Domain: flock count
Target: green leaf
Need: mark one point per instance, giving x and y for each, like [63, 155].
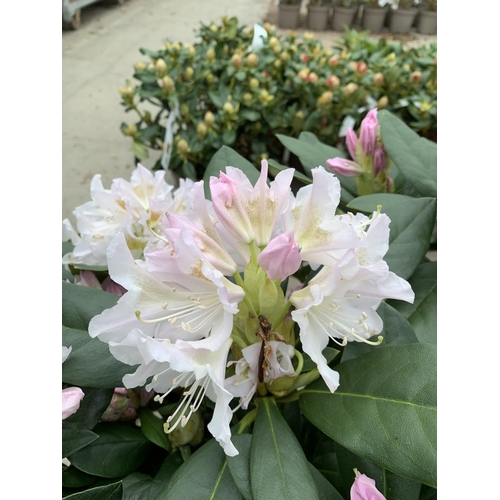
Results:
[111, 491]
[140, 151]
[137, 486]
[79, 305]
[152, 428]
[249, 114]
[384, 410]
[76, 439]
[120, 449]
[410, 153]
[205, 475]
[412, 223]
[397, 331]
[312, 153]
[422, 314]
[325, 488]
[228, 137]
[92, 406]
[328, 352]
[227, 157]
[74, 478]
[392, 486]
[161, 481]
[278, 466]
[275, 168]
[239, 466]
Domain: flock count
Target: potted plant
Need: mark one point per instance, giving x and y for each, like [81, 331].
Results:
[403, 16]
[289, 14]
[373, 16]
[317, 15]
[427, 23]
[344, 13]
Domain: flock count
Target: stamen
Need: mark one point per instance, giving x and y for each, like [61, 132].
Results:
[159, 236]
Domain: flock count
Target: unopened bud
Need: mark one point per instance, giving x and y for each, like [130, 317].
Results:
[325, 98]
[254, 83]
[303, 73]
[191, 51]
[131, 130]
[228, 108]
[210, 55]
[189, 72]
[312, 77]
[252, 60]
[161, 67]
[237, 61]
[184, 109]
[277, 63]
[182, 146]
[416, 77]
[277, 49]
[285, 56]
[378, 79]
[333, 82]
[304, 58]
[210, 78]
[361, 67]
[333, 61]
[213, 28]
[350, 88]
[308, 36]
[140, 66]
[168, 84]
[126, 91]
[201, 130]
[273, 41]
[209, 118]
[247, 97]
[383, 102]
[299, 115]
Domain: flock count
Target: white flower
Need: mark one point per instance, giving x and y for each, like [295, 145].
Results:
[66, 352]
[340, 303]
[244, 383]
[127, 207]
[71, 397]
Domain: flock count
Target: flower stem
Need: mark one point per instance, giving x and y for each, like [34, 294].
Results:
[247, 301]
[300, 363]
[246, 421]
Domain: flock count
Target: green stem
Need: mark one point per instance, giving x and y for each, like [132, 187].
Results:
[246, 421]
[239, 341]
[247, 301]
[300, 364]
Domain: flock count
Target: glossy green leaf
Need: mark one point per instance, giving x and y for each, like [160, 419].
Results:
[326, 490]
[79, 305]
[120, 449]
[313, 153]
[161, 481]
[76, 439]
[152, 428]
[275, 168]
[205, 475]
[137, 486]
[422, 314]
[396, 331]
[411, 154]
[384, 410]
[412, 223]
[392, 486]
[278, 466]
[239, 466]
[227, 157]
[74, 478]
[107, 492]
[139, 150]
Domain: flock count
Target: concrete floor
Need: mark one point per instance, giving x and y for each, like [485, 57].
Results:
[99, 57]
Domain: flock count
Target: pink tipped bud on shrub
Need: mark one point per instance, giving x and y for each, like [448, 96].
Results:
[333, 82]
[350, 88]
[344, 167]
[161, 67]
[71, 397]
[379, 160]
[416, 77]
[281, 257]
[364, 488]
[351, 141]
[303, 73]
[368, 134]
[333, 61]
[304, 58]
[378, 79]
[252, 60]
[361, 67]
[209, 119]
[312, 78]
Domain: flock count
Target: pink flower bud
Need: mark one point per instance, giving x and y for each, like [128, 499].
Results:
[364, 488]
[344, 167]
[379, 160]
[87, 278]
[71, 398]
[110, 286]
[368, 134]
[351, 141]
[281, 257]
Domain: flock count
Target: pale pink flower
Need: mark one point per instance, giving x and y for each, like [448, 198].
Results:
[368, 134]
[364, 488]
[71, 397]
[351, 140]
[344, 167]
[281, 257]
